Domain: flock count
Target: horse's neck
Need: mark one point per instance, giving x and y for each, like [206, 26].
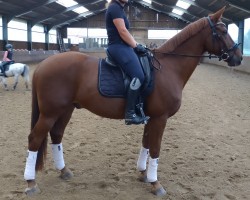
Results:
[182, 64]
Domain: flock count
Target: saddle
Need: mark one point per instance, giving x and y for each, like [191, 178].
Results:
[113, 81]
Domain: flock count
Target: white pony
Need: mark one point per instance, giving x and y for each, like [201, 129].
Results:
[16, 70]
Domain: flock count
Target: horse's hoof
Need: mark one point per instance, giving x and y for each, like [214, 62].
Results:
[30, 191]
[66, 174]
[143, 177]
[159, 192]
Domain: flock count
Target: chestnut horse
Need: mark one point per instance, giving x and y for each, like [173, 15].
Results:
[68, 80]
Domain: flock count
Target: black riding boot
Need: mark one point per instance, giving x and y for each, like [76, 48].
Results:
[1, 69]
[133, 93]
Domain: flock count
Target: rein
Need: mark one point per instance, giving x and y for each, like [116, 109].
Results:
[185, 55]
[224, 52]
[153, 52]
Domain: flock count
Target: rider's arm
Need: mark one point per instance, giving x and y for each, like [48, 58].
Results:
[5, 56]
[124, 33]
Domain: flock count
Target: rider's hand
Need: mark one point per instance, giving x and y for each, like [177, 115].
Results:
[140, 49]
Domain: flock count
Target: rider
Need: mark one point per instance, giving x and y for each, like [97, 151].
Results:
[7, 58]
[123, 49]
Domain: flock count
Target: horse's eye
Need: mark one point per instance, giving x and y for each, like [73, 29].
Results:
[224, 32]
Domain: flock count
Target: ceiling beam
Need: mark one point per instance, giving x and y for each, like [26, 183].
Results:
[26, 10]
[39, 20]
[63, 22]
[193, 3]
[92, 2]
[29, 9]
[240, 8]
[171, 14]
[176, 7]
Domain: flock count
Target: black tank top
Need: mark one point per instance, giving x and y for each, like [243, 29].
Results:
[10, 54]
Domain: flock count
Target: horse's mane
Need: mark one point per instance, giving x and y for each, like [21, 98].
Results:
[182, 36]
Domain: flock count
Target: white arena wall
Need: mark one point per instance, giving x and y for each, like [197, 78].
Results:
[244, 67]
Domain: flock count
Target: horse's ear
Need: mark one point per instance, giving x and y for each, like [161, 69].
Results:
[217, 16]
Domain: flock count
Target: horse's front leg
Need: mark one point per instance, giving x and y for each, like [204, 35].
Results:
[150, 151]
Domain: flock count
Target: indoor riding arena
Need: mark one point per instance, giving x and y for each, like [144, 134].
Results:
[205, 151]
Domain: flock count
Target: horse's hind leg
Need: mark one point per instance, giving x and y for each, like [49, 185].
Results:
[37, 139]
[16, 82]
[27, 81]
[3, 80]
[56, 135]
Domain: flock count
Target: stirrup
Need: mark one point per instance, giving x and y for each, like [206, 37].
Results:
[132, 118]
[140, 107]
[143, 121]
[135, 120]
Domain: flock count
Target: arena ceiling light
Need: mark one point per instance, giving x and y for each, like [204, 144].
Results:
[177, 11]
[67, 3]
[81, 10]
[183, 4]
[148, 1]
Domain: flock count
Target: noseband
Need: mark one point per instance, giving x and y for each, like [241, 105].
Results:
[224, 51]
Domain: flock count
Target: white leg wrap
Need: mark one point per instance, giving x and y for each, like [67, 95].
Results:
[152, 169]
[57, 151]
[30, 168]
[142, 160]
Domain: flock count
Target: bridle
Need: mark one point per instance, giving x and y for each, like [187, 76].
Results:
[224, 51]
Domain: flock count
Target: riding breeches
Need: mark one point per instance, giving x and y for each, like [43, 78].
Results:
[127, 59]
[4, 65]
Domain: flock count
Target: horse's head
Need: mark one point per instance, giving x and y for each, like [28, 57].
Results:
[220, 43]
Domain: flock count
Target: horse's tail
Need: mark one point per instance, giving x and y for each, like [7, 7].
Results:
[26, 72]
[42, 151]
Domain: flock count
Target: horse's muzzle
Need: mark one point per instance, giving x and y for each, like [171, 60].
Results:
[234, 61]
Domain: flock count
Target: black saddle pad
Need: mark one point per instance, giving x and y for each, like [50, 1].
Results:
[111, 80]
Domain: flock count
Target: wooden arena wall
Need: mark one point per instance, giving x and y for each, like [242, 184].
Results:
[244, 67]
[25, 56]
[141, 20]
[24, 45]
[38, 53]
